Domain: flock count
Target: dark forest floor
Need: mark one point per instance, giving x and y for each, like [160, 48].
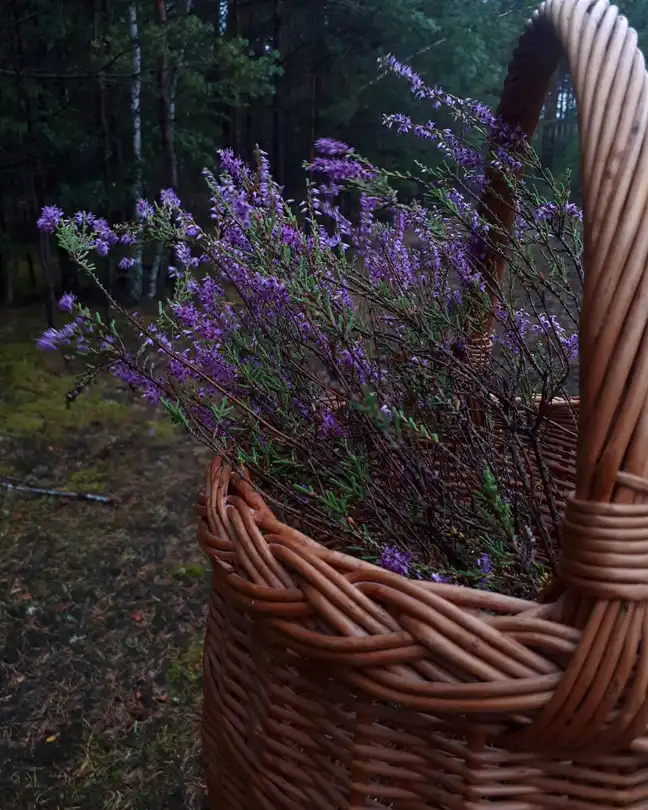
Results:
[101, 607]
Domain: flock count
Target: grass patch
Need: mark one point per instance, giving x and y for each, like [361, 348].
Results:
[184, 674]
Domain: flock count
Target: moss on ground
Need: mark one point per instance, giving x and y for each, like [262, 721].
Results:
[162, 430]
[33, 400]
[88, 479]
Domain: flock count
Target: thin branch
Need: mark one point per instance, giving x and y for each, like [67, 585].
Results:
[58, 493]
[38, 75]
[429, 47]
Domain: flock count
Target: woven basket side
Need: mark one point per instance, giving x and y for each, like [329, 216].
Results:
[333, 683]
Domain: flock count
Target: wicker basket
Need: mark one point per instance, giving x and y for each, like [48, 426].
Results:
[335, 685]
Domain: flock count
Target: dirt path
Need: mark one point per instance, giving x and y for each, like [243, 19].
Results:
[101, 607]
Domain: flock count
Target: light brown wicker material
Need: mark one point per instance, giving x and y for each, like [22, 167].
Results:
[334, 685]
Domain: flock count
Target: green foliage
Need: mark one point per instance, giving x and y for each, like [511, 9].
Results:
[61, 62]
[493, 507]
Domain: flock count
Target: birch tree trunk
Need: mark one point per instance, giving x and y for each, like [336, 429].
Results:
[168, 88]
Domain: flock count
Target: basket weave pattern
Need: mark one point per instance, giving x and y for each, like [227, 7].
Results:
[333, 684]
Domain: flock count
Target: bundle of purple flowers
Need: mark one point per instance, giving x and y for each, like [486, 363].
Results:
[330, 354]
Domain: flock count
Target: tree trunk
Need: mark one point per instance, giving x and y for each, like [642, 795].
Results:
[102, 116]
[45, 257]
[173, 91]
[34, 178]
[29, 258]
[100, 23]
[155, 271]
[67, 271]
[165, 103]
[234, 129]
[135, 273]
[278, 153]
[551, 115]
[314, 110]
[120, 207]
[6, 282]
[168, 88]
[6, 275]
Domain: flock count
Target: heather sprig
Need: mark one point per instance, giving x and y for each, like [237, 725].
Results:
[334, 356]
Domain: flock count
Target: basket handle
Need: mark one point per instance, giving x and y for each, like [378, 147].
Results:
[604, 63]
[603, 583]
[611, 89]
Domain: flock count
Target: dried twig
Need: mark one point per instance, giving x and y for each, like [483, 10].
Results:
[58, 493]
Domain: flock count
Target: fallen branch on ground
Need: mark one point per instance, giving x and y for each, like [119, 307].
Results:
[58, 493]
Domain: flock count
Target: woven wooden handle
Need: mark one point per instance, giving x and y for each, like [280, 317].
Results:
[606, 534]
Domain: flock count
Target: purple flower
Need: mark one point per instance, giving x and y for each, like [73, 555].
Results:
[572, 210]
[102, 247]
[66, 302]
[514, 330]
[301, 408]
[485, 564]
[104, 232]
[183, 253]
[330, 425]
[482, 113]
[545, 212]
[188, 224]
[49, 340]
[570, 345]
[170, 198]
[461, 109]
[83, 218]
[549, 327]
[144, 209]
[281, 311]
[402, 123]
[50, 217]
[331, 147]
[357, 363]
[53, 339]
[290, 236]
[549, 211]
[148, 388]
[341, 169]
[232, 165]
[393, 559]
[466, 211]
